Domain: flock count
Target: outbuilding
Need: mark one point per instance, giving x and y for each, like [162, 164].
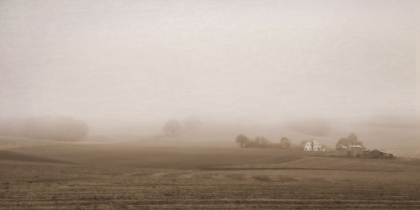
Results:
[342, 150]
[376, 154]
[356, 150]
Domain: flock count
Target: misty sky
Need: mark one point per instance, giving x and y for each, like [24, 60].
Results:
[227, 60]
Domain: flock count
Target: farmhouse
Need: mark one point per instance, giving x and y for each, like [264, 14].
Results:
[312, 145]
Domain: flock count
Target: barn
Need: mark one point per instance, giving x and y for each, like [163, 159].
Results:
[352, 150]
[376, 154]
[356, 150]
[342, 150]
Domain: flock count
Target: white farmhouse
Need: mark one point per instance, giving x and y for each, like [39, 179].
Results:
[312, 145]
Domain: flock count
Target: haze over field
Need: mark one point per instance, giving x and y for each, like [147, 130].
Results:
[237, 61]
[210, 104]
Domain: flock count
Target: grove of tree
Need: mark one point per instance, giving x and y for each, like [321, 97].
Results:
[258, 142]
[51, 128]
[350, 140]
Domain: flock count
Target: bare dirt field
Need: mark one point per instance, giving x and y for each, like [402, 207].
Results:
[123, 176]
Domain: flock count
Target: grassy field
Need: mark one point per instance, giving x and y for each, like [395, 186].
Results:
[134, 176]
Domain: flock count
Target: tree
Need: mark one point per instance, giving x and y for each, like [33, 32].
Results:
[285, 143]
[352, 137]
[242, 140]
[350, 140]
[261, 141]
[172, 127]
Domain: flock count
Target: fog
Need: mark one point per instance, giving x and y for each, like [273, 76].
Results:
[183, 104]
[265, 62]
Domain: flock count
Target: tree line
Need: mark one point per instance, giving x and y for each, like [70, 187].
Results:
[52, 128]
[261, 142]
[173, 127]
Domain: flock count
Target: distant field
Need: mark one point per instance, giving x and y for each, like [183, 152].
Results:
[405, 153]
[17, 142]
[132, 176]
[335, 164]
[13, 156]
[163, 157]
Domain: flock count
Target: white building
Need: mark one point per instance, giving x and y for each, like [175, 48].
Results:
[312, 145]
[342, 150]
[356, 150]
